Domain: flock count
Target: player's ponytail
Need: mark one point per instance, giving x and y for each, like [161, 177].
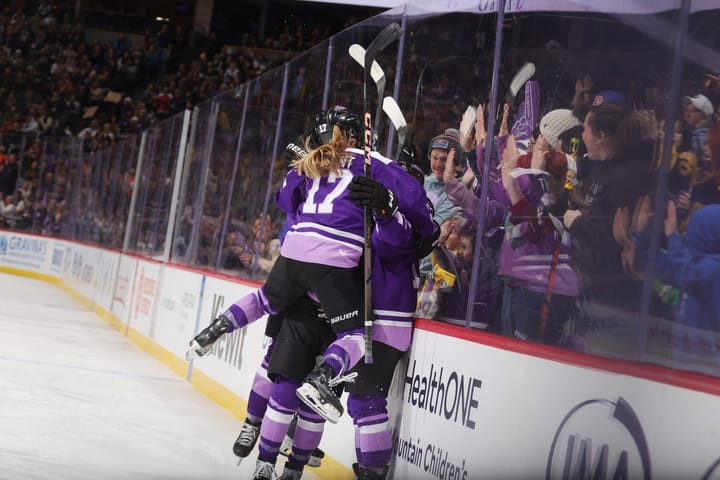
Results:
[325, 159]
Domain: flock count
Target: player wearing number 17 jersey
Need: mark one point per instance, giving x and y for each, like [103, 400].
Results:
[320, 254]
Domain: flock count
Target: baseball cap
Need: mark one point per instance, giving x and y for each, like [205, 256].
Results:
[608, 97]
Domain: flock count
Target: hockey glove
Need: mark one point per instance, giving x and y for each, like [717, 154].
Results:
[293, 152]
[425, 245]
[365, 192]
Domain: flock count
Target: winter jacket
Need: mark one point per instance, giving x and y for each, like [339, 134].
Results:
[693, 265]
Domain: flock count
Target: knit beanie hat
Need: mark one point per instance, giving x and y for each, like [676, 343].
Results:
[447, 140]
[554, 123]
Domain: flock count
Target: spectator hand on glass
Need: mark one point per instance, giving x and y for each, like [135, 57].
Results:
[504, 122]
[671, 223]
[449, 171]
[621, 233]
[509, 161]
[642, 214]
[583, 86]
[621, 226]
[480, 133]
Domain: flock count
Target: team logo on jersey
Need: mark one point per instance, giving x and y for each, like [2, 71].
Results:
[599, 439]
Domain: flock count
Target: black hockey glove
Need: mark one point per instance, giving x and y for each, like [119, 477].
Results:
[365, 192]
[425, 245]
[294, 151]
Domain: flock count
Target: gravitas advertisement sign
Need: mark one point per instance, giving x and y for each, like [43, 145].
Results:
[470, 409]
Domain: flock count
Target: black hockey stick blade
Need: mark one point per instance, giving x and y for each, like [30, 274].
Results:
[387, 36]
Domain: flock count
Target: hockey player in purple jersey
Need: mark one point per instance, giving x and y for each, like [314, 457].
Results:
[262, 385]
[395, 252]
[321, 252]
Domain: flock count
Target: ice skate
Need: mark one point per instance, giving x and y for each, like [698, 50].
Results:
[247, 439]
[286, 446]
[203, 341]
[317, 393]
[264, 471]
[290, 473]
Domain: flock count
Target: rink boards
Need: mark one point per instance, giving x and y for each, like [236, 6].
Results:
[464, 405]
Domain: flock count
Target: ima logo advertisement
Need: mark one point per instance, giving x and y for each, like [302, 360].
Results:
[602, 439]
[3, 244]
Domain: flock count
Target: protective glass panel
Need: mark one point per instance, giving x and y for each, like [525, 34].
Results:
[249, 232]
[575, 145]
[447, 69]
[155, 184]
[677, 240]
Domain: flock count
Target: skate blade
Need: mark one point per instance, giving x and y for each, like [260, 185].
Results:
[313, 461]
[316, 457]
[309, 397]
[195, 350]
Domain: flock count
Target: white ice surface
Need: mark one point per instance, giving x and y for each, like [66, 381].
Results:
[78, 400]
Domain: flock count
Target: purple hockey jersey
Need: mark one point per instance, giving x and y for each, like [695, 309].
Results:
[329, 227]
[394, 282]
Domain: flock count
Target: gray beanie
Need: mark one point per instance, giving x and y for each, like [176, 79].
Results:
[555, 123]
[447, 140]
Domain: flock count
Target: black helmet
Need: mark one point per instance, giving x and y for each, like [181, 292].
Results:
[322, 130]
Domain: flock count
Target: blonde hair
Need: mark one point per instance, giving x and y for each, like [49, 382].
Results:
[325, 159]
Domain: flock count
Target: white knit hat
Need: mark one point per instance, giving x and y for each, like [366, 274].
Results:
[555, 123]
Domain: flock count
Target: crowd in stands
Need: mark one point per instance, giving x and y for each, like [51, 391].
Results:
[57, 88]
[55, 82]
[567, 216]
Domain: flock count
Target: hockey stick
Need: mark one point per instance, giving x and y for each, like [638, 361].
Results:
[388, 35]
[524, 73]
[357, 52]
[393, 112]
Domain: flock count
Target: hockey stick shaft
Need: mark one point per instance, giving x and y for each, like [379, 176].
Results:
[388, 35]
